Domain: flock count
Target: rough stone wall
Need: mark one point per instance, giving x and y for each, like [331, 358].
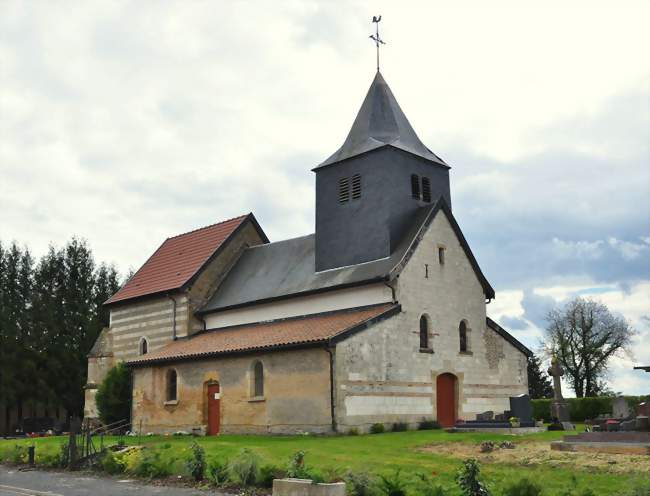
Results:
[383, 376]
[296, 394]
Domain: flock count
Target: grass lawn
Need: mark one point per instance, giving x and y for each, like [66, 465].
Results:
[433, 452]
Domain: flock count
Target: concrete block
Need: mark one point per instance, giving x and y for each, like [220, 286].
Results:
[306, 487]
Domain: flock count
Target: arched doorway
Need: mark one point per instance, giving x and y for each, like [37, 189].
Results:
[214, 405]
[446, 399]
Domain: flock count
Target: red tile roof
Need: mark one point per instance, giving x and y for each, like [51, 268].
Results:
[177, 260]
[267, 335]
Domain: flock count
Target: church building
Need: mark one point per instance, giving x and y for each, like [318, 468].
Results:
[377, 317]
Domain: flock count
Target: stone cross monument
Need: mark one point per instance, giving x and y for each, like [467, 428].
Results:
[559, 407]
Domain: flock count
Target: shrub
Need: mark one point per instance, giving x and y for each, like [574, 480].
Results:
[114, 395]
[507, 445]
[377, 428]
[523, 487]
[110, 464]
[353, 431]
[268, 473]
[245, 468]
[426, 425]
[393, 486]
[196, 463]
[296, 468]
[468, 479]
[150, 465]
[218, 472]
[358, 483]
[400, 427]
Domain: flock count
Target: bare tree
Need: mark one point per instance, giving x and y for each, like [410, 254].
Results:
[585, 335]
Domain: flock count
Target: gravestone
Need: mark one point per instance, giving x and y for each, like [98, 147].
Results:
[620, 408]
[521, 407]
[489, 415]
[559, 406]
[643, 409]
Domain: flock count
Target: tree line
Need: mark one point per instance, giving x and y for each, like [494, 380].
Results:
[50, 315]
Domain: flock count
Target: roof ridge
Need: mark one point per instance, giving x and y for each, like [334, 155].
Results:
[280, 241]
[208, 226]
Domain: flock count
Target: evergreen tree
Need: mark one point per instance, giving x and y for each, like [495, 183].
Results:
[539, 382]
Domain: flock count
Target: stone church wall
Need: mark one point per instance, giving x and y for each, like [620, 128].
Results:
[296, 394]
[383, 376]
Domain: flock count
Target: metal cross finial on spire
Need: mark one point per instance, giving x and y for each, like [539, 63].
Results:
[375, 37]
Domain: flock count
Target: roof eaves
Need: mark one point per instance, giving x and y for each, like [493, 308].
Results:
[327, 163]
[508, 337]
[361, 326]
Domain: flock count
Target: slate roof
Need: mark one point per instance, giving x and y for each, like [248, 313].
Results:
[179, 259]
[309, 330]
[286, 268]
[381, 122]
[508, 337]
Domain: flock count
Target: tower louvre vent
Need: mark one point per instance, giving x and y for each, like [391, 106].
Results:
[426, 190]
[344, 190]
[356, 186]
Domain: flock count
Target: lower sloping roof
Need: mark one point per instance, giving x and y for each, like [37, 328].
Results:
[508, 337]
[285, 333]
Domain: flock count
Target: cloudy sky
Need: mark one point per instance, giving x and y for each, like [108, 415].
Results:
[127, 122]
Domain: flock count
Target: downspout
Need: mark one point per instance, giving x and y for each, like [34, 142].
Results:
[329, 352]
[174, 317]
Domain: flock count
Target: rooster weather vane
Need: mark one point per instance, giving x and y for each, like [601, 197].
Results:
[375, 37]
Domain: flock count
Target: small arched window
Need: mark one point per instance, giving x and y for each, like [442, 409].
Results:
[172, 385]
[424, 332]
[144, 346]
[415, 186]
[426, 190]
[258, 380]
[462, 334]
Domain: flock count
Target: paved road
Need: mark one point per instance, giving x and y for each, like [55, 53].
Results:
[36, 483]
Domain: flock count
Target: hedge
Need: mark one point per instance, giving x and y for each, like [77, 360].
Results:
[581, 409]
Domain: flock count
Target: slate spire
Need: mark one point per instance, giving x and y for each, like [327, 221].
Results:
[381, 122]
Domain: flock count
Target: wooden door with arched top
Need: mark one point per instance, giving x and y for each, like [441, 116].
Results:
[214, 404]
[446, 399]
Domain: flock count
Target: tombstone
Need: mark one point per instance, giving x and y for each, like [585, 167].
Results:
[521, 407]
[643, 409]
[489, 415]
[559, 407]
[620, 408]
[642, 423]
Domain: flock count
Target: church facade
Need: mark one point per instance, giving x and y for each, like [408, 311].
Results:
[377, 317]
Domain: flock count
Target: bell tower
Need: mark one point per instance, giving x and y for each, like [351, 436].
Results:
[370, 188]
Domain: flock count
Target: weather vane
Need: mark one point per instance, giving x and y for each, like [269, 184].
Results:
[375, 37]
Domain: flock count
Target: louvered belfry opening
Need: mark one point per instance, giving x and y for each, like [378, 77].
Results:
[356, 186]
[344, 190]
[415, 186]
[426, 190]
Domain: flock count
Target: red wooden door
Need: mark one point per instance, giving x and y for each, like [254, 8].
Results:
[446, 399]
[214, 399]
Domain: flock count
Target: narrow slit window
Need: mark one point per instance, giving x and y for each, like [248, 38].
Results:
[172, 385]
[258, 380]
[356, 186]
[424, 332]
[144, 347]
[415, 186]
[462, 331]
[441, 255]
[426, 190]
[344, 190]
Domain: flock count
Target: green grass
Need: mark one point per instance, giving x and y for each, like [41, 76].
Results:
[377, 454]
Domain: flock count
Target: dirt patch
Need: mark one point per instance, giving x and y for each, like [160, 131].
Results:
[539, 453]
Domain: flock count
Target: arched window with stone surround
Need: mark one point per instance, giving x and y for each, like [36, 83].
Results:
[144, 346]
[424, 332]
[462, 335]
[172, 385]
[257, 379]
